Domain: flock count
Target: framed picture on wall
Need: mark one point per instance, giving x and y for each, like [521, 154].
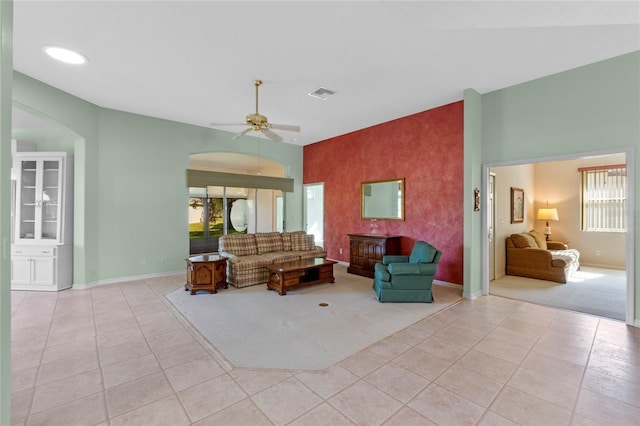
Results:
[517, 205]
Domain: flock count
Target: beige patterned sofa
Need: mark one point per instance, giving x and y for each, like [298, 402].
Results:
[529, 255]
[248, 254]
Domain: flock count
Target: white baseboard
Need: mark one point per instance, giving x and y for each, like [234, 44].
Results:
[472, 295]
[599, 265]
[85, 286]
[447, 284]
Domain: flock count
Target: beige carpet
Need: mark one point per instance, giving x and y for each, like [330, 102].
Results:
[595, 291]
[256, 328]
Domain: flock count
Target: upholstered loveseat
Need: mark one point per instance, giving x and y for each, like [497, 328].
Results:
[248, 254]
[529, 255]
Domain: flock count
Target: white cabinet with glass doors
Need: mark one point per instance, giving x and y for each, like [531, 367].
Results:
[44, 198]
[43, 218]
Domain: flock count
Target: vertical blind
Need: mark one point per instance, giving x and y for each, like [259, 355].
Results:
[604, 198]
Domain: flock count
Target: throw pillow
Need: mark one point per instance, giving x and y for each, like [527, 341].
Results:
[300, 242]
[240, 244]
[268, 242]
[523, 241]
[539, 239]
[286, 239]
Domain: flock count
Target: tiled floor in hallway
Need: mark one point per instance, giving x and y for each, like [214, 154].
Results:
[118, 354]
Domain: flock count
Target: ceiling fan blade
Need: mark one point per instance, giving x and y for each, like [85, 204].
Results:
[272, 135]
[288, 127]
[241, 134]
[228, 124]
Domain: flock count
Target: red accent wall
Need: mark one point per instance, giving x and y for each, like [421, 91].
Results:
[426, 149]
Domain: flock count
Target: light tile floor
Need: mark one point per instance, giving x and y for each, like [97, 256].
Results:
[118, 355]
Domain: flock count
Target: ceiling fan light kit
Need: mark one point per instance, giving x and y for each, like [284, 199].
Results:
[259, 123]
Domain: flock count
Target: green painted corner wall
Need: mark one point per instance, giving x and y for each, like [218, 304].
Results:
[130, 215]
[589, 109]
[473, 225]
[6, 74]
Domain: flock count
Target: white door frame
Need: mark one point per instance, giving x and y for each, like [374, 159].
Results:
[318, 230]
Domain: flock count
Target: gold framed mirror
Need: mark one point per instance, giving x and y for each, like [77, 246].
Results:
[383, 199]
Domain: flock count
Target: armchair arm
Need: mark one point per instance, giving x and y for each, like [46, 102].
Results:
[412, 268]
[394, 259]
[529, 257]
[557, 245]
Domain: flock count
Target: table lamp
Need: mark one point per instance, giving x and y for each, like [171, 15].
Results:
[547, 214]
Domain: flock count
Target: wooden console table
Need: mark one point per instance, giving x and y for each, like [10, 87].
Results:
[206, 272]
[290, 275]
[365, 250]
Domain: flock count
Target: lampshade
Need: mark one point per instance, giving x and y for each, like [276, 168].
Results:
[548, 214]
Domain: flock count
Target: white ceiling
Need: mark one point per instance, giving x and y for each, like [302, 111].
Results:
[194, 61]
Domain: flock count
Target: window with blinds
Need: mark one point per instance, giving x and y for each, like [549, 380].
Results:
[604, 198]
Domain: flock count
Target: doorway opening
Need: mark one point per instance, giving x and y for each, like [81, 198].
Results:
[314, 211]
[556, 181]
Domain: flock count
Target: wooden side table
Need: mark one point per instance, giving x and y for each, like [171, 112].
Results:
[206, 272]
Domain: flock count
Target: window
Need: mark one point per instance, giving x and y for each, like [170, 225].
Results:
[604, 198]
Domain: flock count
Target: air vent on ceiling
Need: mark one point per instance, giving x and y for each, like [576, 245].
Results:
[322, 93]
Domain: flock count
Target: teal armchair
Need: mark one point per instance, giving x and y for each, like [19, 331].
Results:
[407, 278]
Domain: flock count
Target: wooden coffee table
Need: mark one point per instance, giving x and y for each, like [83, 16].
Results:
[300, 273]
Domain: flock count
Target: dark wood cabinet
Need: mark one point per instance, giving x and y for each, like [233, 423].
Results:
[365, 250]
[207, 272]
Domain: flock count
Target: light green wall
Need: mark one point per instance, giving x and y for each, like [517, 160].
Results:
[6, 70]
[53, 139]
[130, 187]
[80, 121]
[472, 256]
[589, 109]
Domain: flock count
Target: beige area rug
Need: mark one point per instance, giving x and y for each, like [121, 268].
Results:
[256, 328]
[595, 291]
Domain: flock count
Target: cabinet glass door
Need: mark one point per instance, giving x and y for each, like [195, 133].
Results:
[28, 201]
[39, 195]
[49, 200]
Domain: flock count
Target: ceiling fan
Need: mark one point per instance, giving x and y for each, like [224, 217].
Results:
[259, 123]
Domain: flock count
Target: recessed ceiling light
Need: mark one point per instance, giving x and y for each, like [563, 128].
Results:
[65, 55]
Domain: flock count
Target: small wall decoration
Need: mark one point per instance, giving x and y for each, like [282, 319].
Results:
[476, 200]
[517, 205]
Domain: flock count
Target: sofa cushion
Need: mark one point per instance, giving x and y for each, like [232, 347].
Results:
[283, 256]
[310, 254]
[286, 239]
[540, 240]
[268, 242]
[245, 263]
[523, 241]
[240, 244]
[302, 242]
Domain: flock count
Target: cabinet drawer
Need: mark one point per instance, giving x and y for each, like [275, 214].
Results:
[33, 251]
[291, 275]
[291, 281]
[326, 272]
